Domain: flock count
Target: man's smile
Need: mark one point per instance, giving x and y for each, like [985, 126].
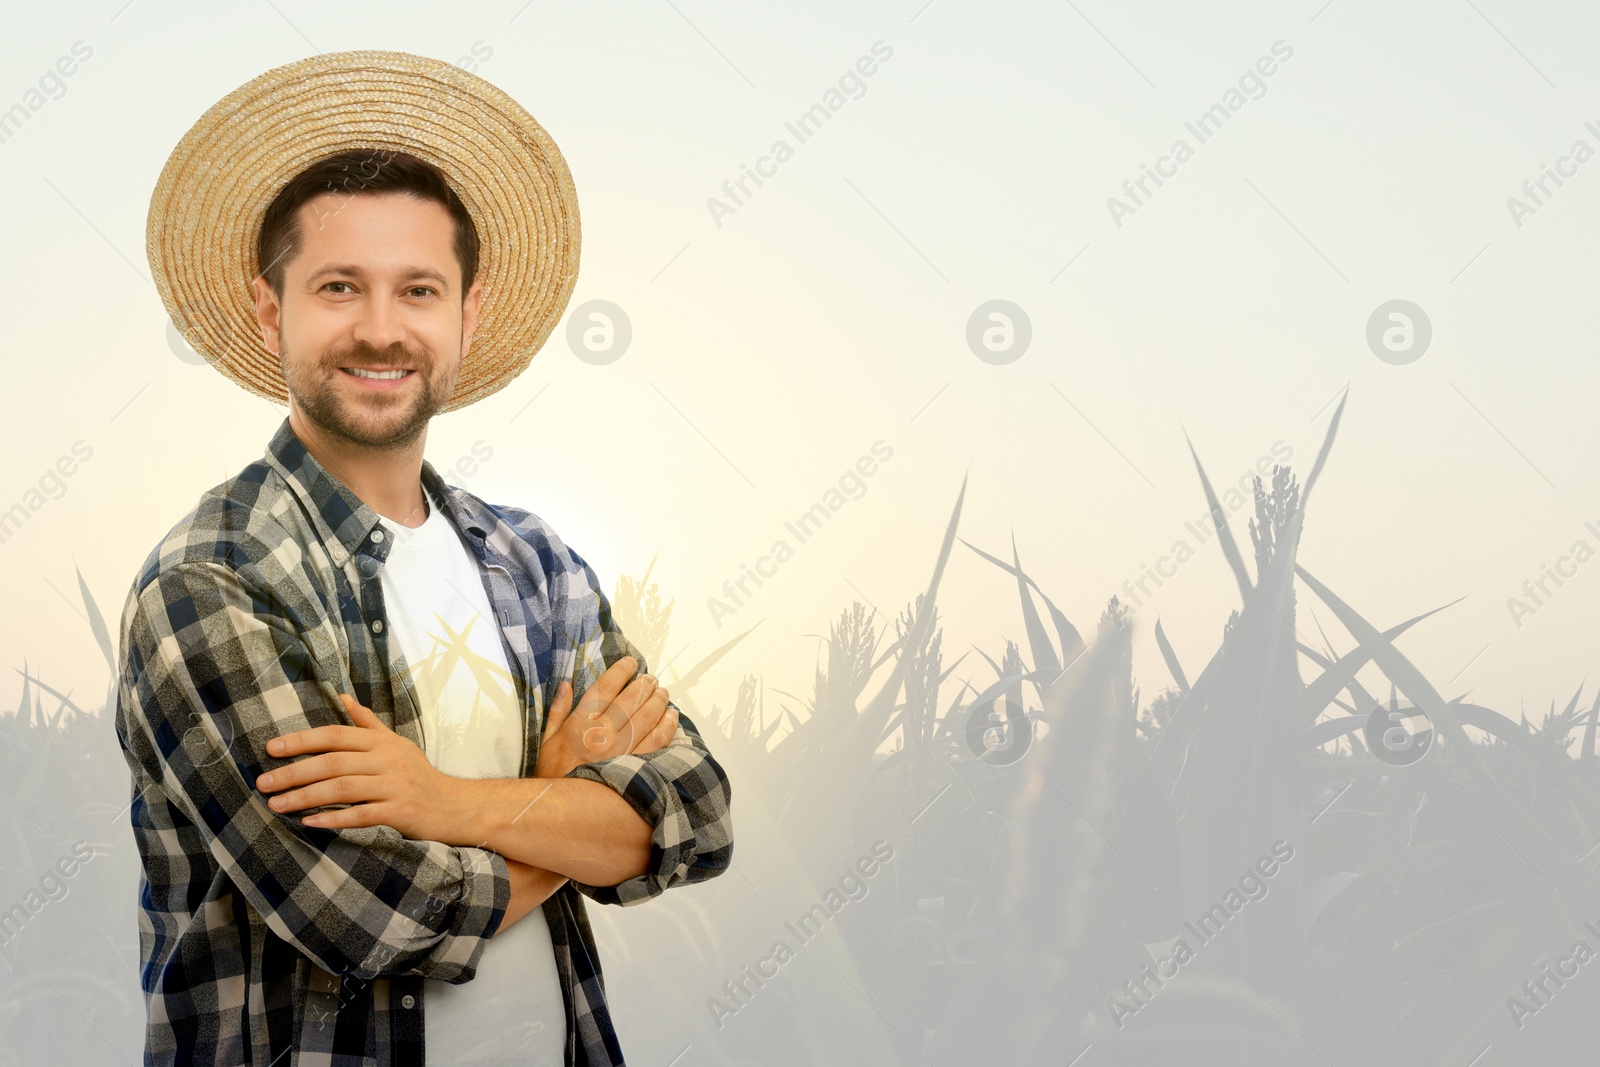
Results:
[376, 379]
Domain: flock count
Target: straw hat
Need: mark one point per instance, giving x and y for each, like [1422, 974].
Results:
[207, 208]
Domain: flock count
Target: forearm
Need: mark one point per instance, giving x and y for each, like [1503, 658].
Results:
[573, 827]
[530, 887]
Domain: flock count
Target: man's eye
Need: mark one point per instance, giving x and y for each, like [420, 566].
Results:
[423, 289]
[336, 283]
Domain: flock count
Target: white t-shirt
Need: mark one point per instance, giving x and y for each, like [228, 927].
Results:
[472, 727]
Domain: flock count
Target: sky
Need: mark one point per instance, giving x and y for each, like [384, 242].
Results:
[843, 304]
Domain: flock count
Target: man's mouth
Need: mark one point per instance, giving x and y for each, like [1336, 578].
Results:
[378, 375]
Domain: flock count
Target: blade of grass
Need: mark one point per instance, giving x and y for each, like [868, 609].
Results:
[1225, 541]
[1171, 657]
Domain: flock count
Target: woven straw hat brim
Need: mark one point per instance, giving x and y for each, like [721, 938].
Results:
[206, 211]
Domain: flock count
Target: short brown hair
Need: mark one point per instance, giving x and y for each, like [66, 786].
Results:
[355, 172]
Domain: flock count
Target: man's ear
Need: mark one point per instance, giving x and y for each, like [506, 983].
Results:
[268, 312]
[469, 315]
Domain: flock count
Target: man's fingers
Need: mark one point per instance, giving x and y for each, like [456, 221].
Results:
[663, 732]
[638, 692]
[598, 697]
[320, 768]
[362, 715]
[625, 709]
[321, 739]
[648, 717]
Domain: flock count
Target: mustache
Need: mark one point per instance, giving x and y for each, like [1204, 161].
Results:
[366, 355]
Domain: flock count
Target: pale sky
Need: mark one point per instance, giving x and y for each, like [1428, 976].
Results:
[774, 345]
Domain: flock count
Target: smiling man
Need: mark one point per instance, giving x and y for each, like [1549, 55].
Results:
[366, 805]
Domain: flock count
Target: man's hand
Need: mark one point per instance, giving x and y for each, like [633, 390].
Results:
[385, 777]
[614, 718]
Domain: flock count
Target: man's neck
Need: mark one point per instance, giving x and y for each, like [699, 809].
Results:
[388, 482]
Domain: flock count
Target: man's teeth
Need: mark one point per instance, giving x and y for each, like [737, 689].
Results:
[359, 373]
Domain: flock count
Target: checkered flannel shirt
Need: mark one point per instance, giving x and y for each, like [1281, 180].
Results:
[261, 936]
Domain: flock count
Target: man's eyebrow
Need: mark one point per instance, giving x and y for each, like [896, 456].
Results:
[410, 275]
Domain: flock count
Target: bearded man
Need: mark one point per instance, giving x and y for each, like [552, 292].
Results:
[346, 688]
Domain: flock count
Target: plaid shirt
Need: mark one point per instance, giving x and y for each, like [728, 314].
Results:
[260, 936]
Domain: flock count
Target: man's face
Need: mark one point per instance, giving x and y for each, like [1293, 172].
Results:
[374, 289]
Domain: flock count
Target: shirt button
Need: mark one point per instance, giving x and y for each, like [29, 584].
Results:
[377, 535]
[408, 1001]
[377, 626]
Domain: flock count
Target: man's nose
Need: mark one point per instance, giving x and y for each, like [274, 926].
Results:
[379, 324]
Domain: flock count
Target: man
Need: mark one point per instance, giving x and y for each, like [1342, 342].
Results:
[346, 688]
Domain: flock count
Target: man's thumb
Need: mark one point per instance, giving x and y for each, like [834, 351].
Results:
[560, 708]
[359, 712]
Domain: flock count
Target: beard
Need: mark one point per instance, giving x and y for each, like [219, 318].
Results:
[377, 420]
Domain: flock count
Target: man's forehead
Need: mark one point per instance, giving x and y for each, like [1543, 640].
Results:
[377, 232]
[326, 209]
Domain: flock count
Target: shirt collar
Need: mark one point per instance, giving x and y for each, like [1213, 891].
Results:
[344, 517]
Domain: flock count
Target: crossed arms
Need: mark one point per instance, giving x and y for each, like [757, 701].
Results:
[216, 666]
[549, 828]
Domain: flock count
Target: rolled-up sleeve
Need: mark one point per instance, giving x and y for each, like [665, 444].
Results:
[213, 668]
[680, 790]
[683, 794]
